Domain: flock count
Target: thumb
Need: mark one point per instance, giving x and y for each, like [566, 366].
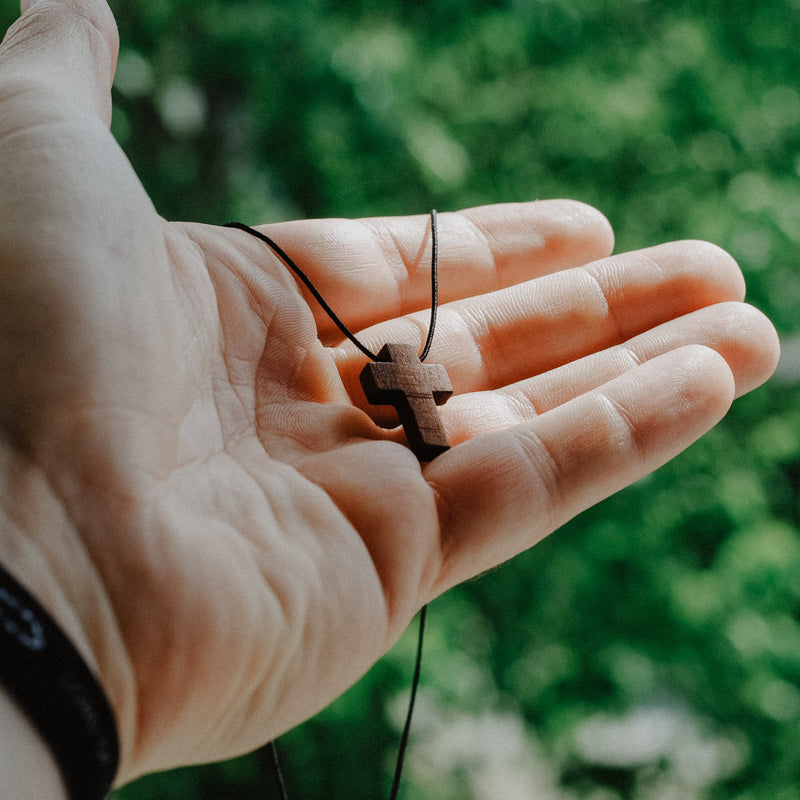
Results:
[69, 46]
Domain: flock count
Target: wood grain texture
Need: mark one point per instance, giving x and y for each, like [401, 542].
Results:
[401, 380]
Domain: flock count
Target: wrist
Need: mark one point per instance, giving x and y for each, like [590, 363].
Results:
[42, 553]
[51, 684]
[27, 768]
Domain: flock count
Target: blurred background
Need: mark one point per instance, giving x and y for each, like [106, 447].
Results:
[650, 650]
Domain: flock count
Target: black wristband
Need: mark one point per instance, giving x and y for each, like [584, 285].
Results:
[47, 678]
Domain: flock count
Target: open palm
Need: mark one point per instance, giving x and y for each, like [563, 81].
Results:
[190, 477]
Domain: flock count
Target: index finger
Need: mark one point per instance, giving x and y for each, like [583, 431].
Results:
[374, 269]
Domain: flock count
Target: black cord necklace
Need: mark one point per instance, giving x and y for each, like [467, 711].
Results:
[394, 376]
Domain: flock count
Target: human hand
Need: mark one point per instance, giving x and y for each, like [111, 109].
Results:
[190, 479]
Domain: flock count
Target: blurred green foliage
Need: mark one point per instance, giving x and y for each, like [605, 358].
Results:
[649, 650]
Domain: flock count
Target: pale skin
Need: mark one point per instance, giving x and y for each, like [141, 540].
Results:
[190, 479]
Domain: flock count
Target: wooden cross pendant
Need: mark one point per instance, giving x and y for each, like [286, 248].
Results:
[401, 380]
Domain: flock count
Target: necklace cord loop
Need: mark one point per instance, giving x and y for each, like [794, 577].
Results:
[308, 283]
[289, 261]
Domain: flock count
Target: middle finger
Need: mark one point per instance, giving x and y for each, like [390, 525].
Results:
[496, 339]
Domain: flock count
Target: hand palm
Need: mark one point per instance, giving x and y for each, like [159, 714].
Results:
[195, 424]
[188, 467]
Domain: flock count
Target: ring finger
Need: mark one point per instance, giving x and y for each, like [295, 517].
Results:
[738, 332]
